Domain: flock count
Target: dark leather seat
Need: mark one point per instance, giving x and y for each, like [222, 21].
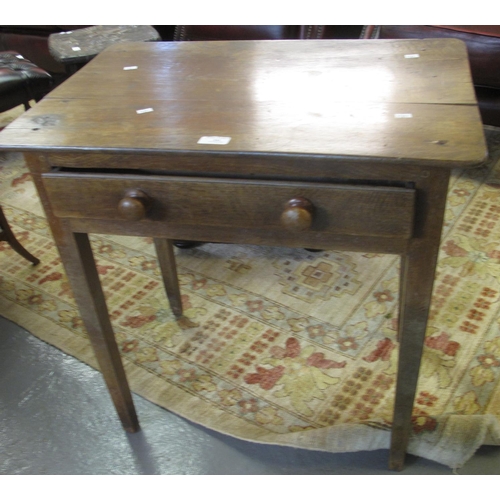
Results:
[264, 32]
[236, 32]
[21, 81]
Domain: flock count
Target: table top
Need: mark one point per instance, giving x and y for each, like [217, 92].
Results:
[391, 99]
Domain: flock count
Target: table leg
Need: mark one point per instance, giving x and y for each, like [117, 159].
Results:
[166, 259]
[79, 264]
[417, 279]
[77, 256]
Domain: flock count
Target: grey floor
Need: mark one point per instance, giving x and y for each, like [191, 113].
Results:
[56, 418]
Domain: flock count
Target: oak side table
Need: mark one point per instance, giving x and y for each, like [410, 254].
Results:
[338, 144]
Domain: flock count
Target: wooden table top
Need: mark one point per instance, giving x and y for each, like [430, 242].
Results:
[392, 99]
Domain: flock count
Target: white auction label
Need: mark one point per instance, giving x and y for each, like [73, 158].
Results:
[214, 139]
[403, 115]
[411, 56]
[145, 110]
[76, 48]
[128, 68]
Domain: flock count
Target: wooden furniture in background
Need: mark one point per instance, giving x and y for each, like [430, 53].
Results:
[7, 235]
[319, 144]
[75, 48]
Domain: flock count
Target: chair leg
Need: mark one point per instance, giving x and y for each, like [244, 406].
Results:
[8, 236]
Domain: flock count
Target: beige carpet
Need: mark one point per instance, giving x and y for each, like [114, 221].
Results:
[285, 346]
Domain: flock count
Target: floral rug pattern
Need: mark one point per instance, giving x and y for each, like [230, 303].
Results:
[286, 346]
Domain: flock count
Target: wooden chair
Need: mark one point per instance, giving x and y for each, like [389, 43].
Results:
[7, 235]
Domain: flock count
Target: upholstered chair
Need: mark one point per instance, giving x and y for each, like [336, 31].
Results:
[20, 82]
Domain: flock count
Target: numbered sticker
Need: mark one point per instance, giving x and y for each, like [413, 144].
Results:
[214, 139]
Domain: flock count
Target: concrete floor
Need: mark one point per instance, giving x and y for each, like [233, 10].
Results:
[56, 418]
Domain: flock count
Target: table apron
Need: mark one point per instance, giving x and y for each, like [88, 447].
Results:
[214, 207]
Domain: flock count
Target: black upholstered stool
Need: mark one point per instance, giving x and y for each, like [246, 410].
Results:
[7, 235]
[20, 82]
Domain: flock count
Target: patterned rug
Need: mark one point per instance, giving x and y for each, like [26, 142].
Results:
[286, 346]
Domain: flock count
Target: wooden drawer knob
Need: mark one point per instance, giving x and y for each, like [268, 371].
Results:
[134, 205]
[298, 214]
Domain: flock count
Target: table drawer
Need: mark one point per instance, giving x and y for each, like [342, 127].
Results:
[271, 205]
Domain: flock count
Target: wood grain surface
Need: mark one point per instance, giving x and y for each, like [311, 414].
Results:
[370, 98]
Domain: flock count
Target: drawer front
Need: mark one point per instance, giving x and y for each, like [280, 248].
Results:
[270, 205]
